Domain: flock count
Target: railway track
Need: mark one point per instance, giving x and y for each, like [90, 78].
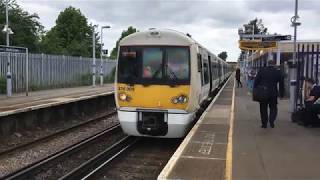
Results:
[143, 160]
[31, 171]
[56, 134]
[95, 164]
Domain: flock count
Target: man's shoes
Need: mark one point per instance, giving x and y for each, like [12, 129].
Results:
[263, 126]
[272, 125]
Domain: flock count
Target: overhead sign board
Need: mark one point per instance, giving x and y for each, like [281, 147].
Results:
[277, 38]
[257, 45]
[265, 37]
[12, 49]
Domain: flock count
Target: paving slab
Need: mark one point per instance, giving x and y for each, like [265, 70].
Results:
[287, 152]
[202, 154]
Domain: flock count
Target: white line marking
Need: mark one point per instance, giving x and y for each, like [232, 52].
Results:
[199, 157]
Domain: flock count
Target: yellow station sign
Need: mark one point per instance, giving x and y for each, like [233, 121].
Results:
[257, 45]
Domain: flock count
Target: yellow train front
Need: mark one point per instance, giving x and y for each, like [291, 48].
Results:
[159, 83]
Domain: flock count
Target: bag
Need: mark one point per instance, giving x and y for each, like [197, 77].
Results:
[305, 118]
[299, 115]
[260, 93]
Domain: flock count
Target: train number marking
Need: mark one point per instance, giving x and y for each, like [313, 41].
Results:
[126, 88]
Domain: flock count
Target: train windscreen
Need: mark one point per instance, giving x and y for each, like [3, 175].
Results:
[154, 65]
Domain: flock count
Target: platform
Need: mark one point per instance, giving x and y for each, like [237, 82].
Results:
[287, 152]
[45, 109]
[202, 154]
[41, 99]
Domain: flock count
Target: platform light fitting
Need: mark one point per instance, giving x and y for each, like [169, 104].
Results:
[7, 29]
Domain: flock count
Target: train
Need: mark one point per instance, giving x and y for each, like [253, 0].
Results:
[163, 77]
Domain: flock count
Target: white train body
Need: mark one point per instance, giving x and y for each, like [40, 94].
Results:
[162, 79]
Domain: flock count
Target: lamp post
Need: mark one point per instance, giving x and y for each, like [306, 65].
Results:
[293, 67]
[8, 31]
[101, 53]
[93, 56]
[252, 50]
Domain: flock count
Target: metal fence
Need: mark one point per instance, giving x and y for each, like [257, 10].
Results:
[307, 67]
[52, 71]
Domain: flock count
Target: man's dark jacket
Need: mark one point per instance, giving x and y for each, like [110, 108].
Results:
[270, 77]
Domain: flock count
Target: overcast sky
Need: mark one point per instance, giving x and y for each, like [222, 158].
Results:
[213, 23]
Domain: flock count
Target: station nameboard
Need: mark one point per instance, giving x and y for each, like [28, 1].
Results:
[12, 49]
[257, 45]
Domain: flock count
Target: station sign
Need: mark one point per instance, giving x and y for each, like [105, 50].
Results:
[277, 38]
[12, 49]
[257, 45]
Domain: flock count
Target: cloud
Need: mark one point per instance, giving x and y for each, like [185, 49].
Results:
[213, 23]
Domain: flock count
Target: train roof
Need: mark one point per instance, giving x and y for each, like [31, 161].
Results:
[158, 37]
[155, 36]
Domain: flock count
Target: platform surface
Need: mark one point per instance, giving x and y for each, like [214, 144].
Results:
[202, 154]
[41, 99]
[287, 152]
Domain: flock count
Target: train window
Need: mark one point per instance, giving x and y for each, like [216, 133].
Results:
[177, 66]
[205, 72]
[152, 63]
[199, 63]
[128, 67]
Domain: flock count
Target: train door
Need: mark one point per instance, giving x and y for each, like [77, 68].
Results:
[203, 68]
[223, 72]
[215, 76]
[219, 72]
[210, 74]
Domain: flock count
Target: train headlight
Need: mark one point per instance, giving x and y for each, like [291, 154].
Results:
[124, 97]
[179, 99]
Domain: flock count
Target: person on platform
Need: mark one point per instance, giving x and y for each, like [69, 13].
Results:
[269, 77]
[312, 95]
[238, 76]
[251, 77]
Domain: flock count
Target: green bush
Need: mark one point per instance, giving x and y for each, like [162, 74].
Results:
[3, 85]
[34, 87]
[85, 80]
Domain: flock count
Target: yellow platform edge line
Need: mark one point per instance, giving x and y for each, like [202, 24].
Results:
[228, 175]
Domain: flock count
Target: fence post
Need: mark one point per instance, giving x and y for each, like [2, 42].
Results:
[27, 72]
[42, 57]
[63, 70]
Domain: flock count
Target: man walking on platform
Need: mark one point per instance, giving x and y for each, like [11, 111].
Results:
[238, 77]
[269, 78]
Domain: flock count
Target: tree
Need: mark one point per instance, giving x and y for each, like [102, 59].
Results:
[223, 55]
[72, 35]
[259, 27]
[26, 27]
[124, 33]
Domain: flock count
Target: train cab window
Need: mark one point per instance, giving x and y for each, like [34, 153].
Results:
[205, 72]
[165, 65]
[152, 63]
[177, 65]
[128, 66]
